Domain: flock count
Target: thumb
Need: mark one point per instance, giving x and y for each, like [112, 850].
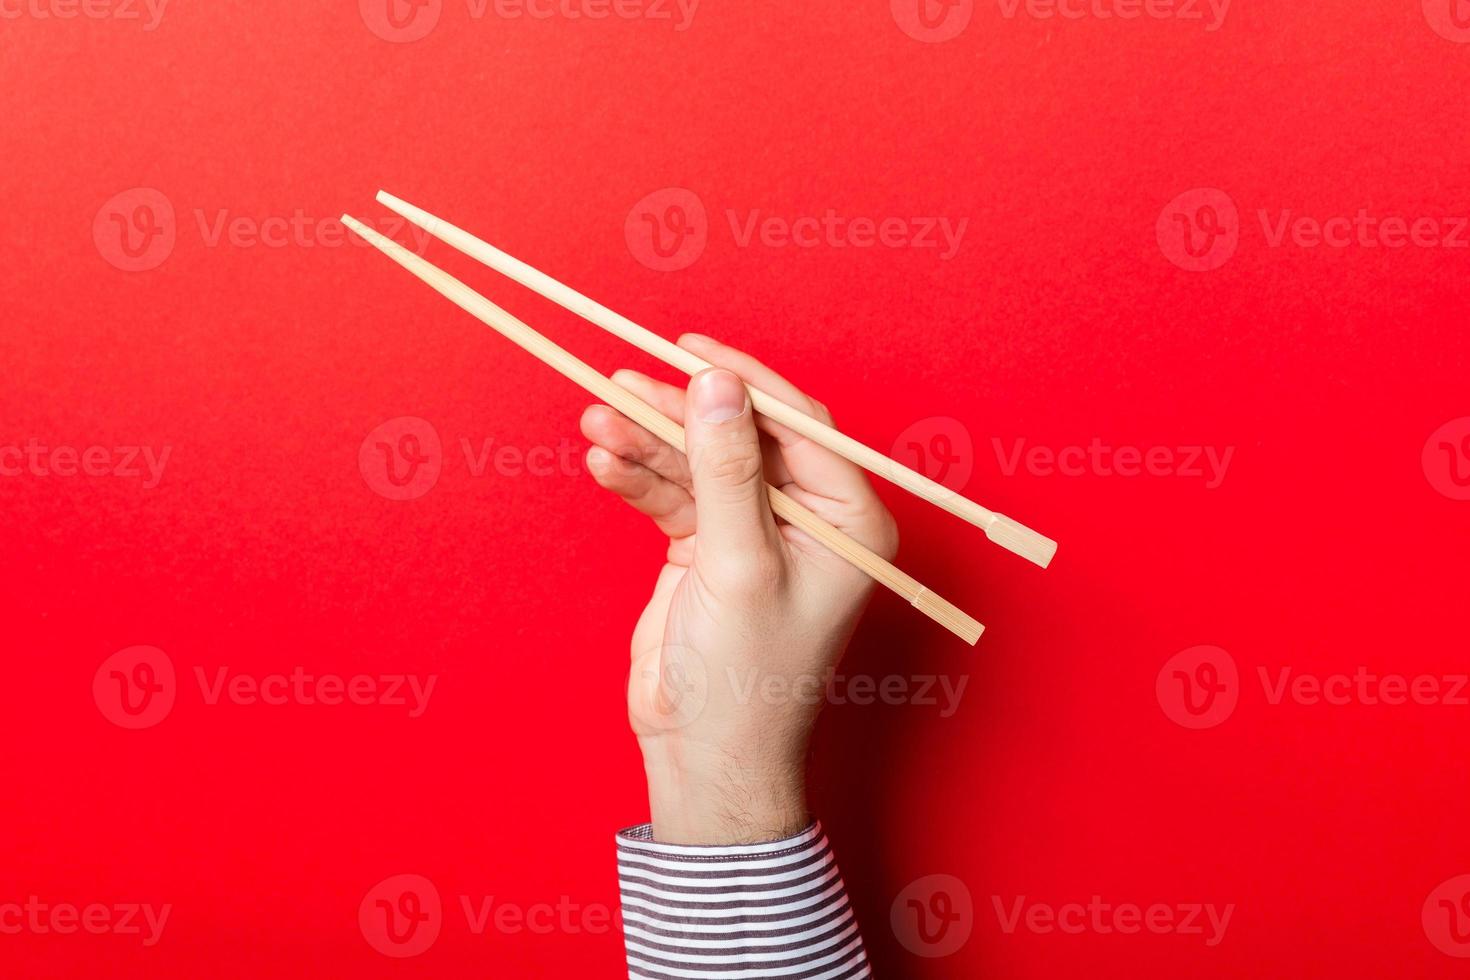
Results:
[731, 510]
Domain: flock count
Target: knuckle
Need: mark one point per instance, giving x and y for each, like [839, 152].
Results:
[733, 464]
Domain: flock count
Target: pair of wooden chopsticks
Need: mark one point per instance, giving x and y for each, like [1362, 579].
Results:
[1000, 529]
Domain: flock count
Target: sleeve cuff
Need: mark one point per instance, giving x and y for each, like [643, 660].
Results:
[775, 909]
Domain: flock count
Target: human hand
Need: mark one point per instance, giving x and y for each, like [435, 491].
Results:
[743, 603]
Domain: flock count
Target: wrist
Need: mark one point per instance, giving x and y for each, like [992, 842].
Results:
[701, 798]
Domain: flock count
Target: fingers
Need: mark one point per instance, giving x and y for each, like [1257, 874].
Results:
[628, 440]
[670, 401]
[668, 504]
[667, 398]
[737, 533]
[812, 466]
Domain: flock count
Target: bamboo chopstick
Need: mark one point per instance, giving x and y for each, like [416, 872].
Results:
[936, 608]
[1008, 533]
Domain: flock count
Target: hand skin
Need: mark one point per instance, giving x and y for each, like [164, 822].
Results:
[748, 615]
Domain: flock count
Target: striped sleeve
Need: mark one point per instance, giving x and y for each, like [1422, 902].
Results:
[731, 913]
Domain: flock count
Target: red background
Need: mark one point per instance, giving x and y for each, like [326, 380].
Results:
[1060, 320]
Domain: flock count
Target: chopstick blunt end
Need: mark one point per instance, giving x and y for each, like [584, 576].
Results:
[1021, 540]
[948, 615]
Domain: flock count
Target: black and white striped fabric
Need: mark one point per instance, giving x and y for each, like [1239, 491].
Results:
[730, 913]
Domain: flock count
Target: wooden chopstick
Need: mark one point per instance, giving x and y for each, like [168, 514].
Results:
[605, 389]
[1008, 533]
